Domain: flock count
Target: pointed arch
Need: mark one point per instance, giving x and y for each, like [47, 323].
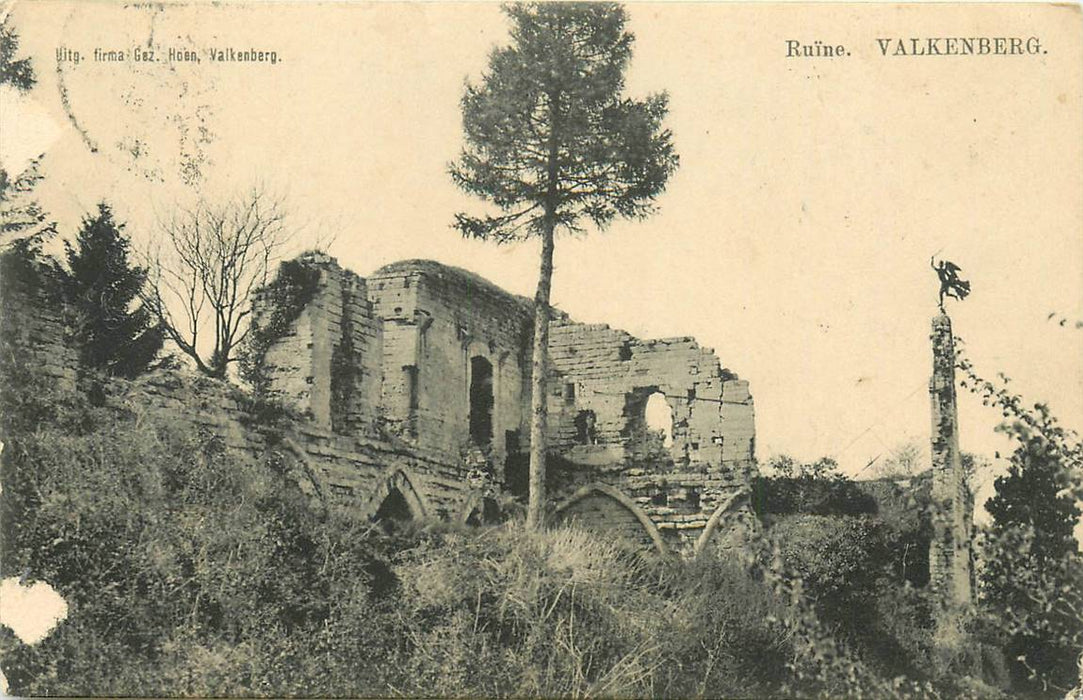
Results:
[401, 481]
[726, 507]
[479, 506]
[604, 490]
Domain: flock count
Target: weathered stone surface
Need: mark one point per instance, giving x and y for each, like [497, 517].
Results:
[417, 379]
[951, 566]
[32, 323]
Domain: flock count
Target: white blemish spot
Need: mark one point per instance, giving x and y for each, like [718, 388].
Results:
[31, 611]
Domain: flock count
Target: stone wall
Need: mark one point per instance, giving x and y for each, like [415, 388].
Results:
[32, 325]
[328, 364]
[415, 383]
[350, 472]
[436, 321]
[601, 382]
[451, 380]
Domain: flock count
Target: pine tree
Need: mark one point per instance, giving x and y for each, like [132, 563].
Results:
[102, 287]
[21, 218]
[552, 142]
[17, 72]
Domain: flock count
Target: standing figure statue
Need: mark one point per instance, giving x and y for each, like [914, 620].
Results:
[950, 284]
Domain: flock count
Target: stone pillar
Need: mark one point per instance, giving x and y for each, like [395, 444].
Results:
[950, 562]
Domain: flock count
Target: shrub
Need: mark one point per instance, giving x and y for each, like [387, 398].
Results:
[189, 571]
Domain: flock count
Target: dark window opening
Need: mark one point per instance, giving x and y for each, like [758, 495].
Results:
[660, 499]
[625, 352]
[410, 372]
[585, 428]
[569, 393]
[481, 401]
[393, 511]
[488, 513]
[691, 395]
[693, 498]
[511, 442]
[410, 378]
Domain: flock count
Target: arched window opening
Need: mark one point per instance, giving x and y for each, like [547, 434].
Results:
[481, 401]
[659, 417]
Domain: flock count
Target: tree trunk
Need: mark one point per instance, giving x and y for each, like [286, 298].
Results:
[539, 410]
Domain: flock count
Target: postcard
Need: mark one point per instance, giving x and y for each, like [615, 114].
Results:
[464, 349]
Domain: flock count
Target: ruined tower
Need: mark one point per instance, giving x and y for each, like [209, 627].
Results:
[950, 560]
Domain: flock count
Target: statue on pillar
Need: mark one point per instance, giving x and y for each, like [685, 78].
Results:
[950, 555]
[950, 284]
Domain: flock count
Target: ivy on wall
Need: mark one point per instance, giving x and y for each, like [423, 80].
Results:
[292, 289]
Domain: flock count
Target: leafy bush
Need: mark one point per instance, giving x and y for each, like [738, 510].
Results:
[806, 494]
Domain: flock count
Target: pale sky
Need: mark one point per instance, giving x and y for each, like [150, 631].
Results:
[794, 239]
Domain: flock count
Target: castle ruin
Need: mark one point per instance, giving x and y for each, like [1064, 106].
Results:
[430, 365]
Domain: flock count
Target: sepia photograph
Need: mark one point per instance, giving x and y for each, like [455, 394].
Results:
[402, 349]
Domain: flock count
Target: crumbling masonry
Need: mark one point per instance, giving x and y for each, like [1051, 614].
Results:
[432, 365]
[951, 561]
[413, 391]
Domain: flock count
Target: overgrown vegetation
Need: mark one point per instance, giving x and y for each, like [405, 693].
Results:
[190, 572]
[858, 555]
[292, 289]
[1031, 582]
[788, 486]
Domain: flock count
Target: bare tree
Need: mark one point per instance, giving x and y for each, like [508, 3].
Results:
[908, 458]
[207, 262]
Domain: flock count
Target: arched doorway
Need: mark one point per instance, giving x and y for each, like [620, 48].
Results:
[728, 523]
[393, 512]
[481, 401]
[394, 507]
[395, 502]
